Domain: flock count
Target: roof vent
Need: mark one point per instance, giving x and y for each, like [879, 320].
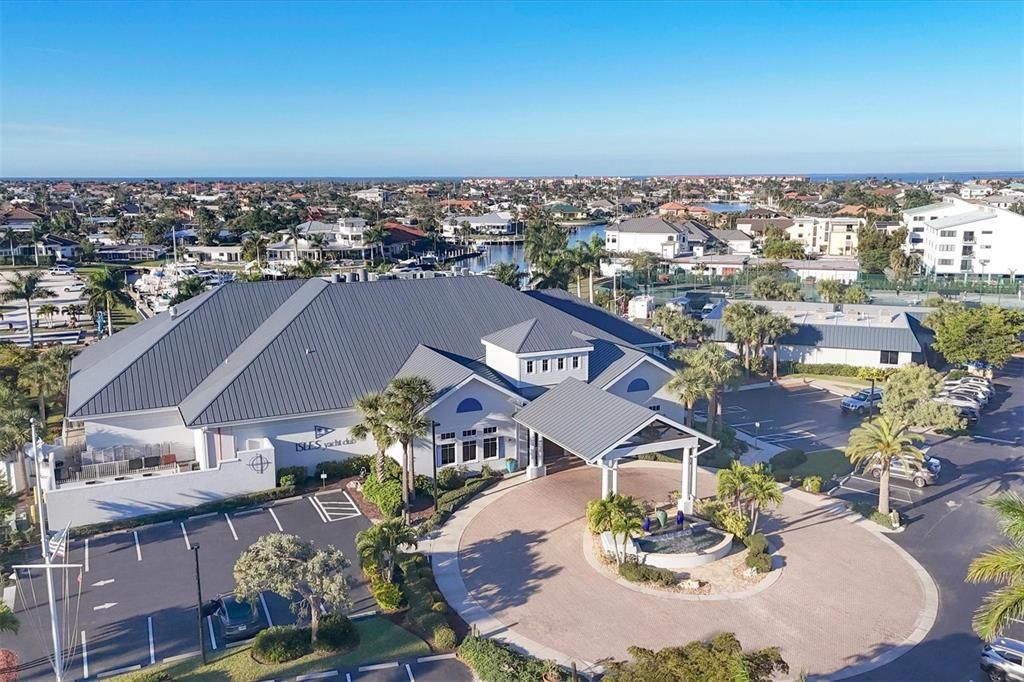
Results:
[309, 351]
[173, 311]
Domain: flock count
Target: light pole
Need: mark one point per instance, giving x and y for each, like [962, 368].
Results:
[199, 606]
[58, 647]
[433, 458]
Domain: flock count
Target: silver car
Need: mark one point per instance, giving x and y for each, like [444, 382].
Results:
[919, 473]
[1003, 660]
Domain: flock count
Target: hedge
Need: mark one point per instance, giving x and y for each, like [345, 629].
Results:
[788, 460]
[336, 633]
[838, 370]
[636, 572]
[496, 662]
[386, 494]
[174, 514]
[281, 643]
[449, 502]
[345, 468]
[298, 475]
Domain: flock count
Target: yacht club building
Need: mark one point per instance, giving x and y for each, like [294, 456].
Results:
[211, 398]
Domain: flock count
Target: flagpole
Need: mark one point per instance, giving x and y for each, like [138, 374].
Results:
[58, 649]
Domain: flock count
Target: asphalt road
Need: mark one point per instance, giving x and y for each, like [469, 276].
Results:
[138, 590]
[947, 523]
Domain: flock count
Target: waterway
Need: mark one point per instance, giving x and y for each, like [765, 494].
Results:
[726, 207]
[514, 253]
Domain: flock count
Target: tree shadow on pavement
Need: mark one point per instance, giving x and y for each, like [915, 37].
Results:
[505, 571]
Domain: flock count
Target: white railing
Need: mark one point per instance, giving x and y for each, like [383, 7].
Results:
[120, 470]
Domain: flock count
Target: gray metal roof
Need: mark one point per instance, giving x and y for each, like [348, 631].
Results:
[248, 351]
[616, 327]
[536, 336]
[584, 419]
[445, 371]
[648, 225]
[608, 360]
[850, 337]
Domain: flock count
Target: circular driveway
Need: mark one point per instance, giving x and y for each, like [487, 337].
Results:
[847, 600]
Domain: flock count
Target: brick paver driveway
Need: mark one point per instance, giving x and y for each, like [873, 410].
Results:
[846, 595]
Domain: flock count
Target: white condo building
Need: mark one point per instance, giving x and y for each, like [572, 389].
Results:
[831, 236]
[957, 237]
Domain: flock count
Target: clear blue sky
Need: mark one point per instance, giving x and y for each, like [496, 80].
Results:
[207, 89]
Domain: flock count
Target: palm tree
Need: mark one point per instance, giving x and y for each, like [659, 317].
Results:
[719, 371]
[879, 442]
[739, 320]
[35, 235]
[592, 253]
[378, 546]
[307, 269]
[14, 424]
[46, 375]
[508, 274]
[24, 286]
[10, 236]
[376, 236]
[293, 234]
[829, 290]
[625, 521]
[1001, 564]
[8, 621]
[689, 386]
[47, 310]
[73, 311]
[374, 425]
[773, 327]
[318, 241]
[761, 492]
[190, 287]
[732, 484]
[405, 400]
[575, 263]
[103, 290]
[254, 248]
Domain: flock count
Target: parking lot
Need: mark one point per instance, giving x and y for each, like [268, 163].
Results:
[138, 589]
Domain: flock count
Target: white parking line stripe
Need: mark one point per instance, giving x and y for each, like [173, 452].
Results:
[348, 678]
[436, 657]
[994, 440]
[202, 516]
[762, 421]
[317, 676]
[275, 520]
[320, 513]
[152, 649]
[408, 670]
[232, 527]
[180, 657]
[378, 666]
[184, 533]
[246, 512]
[266, 611]
[119, 671]
[138, 545]
[213, 640]
[85, 657]
[87, 555]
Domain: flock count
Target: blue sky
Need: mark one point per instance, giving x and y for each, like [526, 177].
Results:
[392, 89]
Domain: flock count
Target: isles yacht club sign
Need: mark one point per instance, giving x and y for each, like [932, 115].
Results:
[319, 444]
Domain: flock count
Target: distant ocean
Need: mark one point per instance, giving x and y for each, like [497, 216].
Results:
[917, 177]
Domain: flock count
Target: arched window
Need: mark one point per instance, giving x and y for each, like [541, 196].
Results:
[638, 385]
[469, 405]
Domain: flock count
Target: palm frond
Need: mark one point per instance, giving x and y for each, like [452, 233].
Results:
[1002, 564]
[1000, 608]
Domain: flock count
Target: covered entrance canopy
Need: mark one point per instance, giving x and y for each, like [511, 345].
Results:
[601, 428]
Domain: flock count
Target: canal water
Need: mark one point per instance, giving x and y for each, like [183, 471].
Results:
[514, 253]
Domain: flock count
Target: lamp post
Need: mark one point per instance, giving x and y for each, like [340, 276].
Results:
[199, 606]
[433, 458]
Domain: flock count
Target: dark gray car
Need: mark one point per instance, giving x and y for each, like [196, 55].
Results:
[238, 618]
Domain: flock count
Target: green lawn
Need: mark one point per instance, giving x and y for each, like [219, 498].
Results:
[824, 463]
[379, 641]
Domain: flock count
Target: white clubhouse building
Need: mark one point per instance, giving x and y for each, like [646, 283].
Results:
[211, 398]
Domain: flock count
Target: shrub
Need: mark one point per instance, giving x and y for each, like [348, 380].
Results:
[788, 460]
[143, 676]
[386, 494]
[635, 572]
[287, 480]
[426, 621]
[760, 562]
[346, 468]
[335, 632]
[388, 595]
[812, 484]
[870, 511]
[449, 478]
[756, 543]
[439, 607]
[444, 638]
[424, 485]
[724, 517]
[280, 644]
[496, 662]
[298, 475]
[955, 374]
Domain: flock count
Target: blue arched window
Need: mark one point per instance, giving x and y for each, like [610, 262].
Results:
[638, 385]
[469, 405]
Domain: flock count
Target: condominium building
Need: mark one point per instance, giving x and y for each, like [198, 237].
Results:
[831, 236]
[957, 237]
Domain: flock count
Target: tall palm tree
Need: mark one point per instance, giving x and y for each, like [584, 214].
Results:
[880, 441]
[254, 248]
[508, 274]
[376, 236]
[14, 424]
[374, 424]
[576, 264]
[739, 320]
[25, 286]
[35, 235]
[318, 241]
[689, 385]
[1001, 564]
[719, 370]
[771, 328]
[761, 492]
[104, 289]
[46, 375]
[190, 287]
[307, 269]
[405, 400]
[378, 545]
[47, 311]
[293, 234]
[732, 484]
[593, 252]
[626, 521]
[10, 236]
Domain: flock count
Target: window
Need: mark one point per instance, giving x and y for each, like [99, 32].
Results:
[655, 408]
[468, 433]
[965, 265]
[561, 364]
[889, 357]
[947, 233]
[448, 435]
[638, 385]
[469, 451]
[490, 429]
[490, 448]
[469, 405]
[543, 365]
[529, 366]
[947, 247]
[918, 218]
[447, 454]
[969, 237]
[575, 362]
[986, 231]
[945, 261]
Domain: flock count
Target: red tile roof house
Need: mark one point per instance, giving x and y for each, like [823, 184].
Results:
[674, 209]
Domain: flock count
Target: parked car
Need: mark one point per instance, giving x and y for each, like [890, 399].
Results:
[971, 392]
[958, 400]
[919, 473]
[74, 288]
[981, 389]
[862, 402]
[969, 415]
[1003, 660]
[238, 618]
[62, 270]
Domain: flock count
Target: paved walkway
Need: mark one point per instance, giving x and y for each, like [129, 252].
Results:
[512, 563]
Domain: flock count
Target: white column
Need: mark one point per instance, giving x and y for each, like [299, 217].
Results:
[536, 468]
[605, 483]
[687, 486]
[614, 471]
